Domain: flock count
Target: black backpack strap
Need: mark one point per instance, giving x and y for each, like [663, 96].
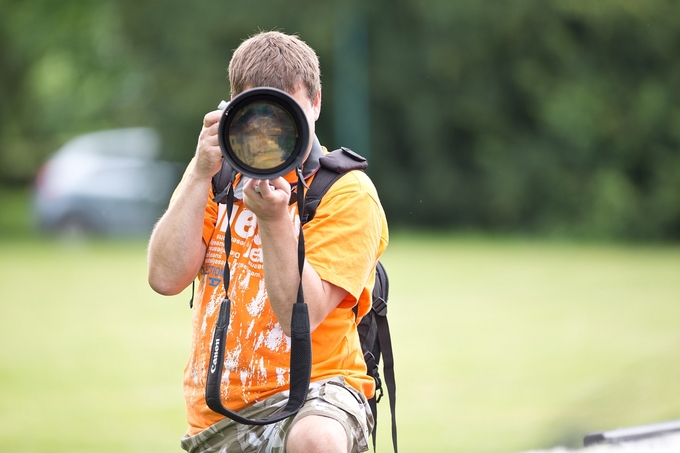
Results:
[388, 368]
[331, 167]
[221, 182]
[380, 295]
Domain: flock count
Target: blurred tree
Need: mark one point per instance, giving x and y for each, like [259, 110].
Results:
[67, 68]
[550, 117]
[529, 115]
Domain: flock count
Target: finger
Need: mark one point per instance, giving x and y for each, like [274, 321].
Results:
[212, 118]
[209, 135]
[212, 137]
[264, 188]
[249, 184]
[207, 140]
[280, 183]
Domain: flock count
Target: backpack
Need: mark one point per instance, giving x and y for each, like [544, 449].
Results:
[373, 329]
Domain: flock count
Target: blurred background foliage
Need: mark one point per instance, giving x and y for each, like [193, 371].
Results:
[556, 118]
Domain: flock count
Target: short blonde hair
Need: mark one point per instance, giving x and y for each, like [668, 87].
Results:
[276, 60]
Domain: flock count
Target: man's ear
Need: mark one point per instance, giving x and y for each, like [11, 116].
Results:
[316, 105]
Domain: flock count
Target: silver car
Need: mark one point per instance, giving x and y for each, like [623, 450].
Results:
[108, 182]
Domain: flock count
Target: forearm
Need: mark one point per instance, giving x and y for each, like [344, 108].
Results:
[279, 249]
[176, 249]
[279, 253]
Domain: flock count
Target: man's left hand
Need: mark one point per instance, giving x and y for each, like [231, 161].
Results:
[268, 199]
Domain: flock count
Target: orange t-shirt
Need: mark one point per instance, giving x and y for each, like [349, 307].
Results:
[343, 243]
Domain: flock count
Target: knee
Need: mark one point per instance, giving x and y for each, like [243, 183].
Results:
[316, 434]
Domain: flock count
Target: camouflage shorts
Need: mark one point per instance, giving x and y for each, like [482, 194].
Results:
[332, 398]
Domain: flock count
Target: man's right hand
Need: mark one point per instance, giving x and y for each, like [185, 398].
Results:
[208, 153]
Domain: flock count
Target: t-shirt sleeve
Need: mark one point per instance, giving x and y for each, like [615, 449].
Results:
[210, 218]
[347, 235]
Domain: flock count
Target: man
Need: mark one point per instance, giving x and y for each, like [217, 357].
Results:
[343, 243]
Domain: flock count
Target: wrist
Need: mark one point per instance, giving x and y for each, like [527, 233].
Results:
[275, 225]
[198, 174]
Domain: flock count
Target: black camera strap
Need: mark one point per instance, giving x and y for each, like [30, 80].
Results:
[301, 345]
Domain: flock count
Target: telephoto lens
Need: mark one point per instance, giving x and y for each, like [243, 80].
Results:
[263, 133]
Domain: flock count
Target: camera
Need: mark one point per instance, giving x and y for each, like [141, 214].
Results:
[263, 133]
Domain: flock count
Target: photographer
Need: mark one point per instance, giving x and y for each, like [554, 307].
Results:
[343, 243]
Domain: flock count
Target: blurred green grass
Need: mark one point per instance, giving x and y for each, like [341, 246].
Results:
[507, 345]
[91, 359]
[501, 345]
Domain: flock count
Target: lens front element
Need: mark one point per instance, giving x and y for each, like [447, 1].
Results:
[263, 135]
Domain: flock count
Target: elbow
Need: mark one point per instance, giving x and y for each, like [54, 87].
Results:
[164, 286]
[164, 290]
[169, 280]
[299, 321]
